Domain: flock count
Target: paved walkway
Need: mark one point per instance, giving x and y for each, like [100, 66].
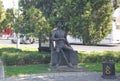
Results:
[60, 76]
[1, 70]
[66, 76]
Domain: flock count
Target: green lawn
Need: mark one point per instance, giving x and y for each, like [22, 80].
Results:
[97, 67]
[27, 69]
[44, 68]
[92, 66]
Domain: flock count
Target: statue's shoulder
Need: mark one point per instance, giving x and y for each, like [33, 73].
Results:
[54, 29]
[54, 32]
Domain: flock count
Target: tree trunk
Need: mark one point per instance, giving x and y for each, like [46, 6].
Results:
[40, 37]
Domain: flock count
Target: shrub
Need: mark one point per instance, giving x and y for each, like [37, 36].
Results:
[82, 57]
[94, 57]
[19, 57]
[12, 56]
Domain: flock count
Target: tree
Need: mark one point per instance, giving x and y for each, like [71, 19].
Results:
[93, 20]
[116, 3]
[86, 19]
[18, 25]
[35, 21]
[9, 18]
[2, 13]
[33, 15]
[32, 22]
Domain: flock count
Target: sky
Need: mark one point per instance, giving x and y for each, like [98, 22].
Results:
[10, 3]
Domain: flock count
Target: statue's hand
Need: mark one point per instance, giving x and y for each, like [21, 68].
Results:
[62, 39]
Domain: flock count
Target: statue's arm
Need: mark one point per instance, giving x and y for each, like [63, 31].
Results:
[53, 38]
[68, 44]
[51, 41]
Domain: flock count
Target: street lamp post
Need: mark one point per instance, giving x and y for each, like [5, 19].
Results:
[18, 40]
[18, 36]
[115, 4]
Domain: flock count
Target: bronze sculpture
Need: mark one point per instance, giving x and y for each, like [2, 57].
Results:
[61, 51]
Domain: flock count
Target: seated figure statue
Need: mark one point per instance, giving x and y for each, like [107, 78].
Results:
[62, 54]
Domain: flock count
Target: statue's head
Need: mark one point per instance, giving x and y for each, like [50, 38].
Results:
[59, 24]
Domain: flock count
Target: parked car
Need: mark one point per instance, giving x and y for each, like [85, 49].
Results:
[73, 40]
[24, 39]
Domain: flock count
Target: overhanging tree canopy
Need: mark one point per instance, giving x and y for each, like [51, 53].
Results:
[89, 19]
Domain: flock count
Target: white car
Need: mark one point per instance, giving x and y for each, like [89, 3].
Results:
[73, 40]
[24, 39]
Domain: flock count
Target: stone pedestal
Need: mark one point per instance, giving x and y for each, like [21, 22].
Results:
[68, 69]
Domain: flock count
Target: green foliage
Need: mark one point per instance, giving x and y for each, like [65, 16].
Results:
[33, 23]
[96, 57]
[7, 50]
[9, 18]
[12, 56]
[19, 25]
[36, 22]
[32, 20]
[2, 13]
[94, 18]
[87, 19]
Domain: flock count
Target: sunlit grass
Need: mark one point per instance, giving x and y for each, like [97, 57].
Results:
[23, 48]
[97, 67]
[44, 68]
[27, 69]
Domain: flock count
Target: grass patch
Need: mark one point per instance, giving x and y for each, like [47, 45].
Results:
[97, 67]
[117, 67]
[44, 68]
[21, 58]
[27, 69]
[94, 67]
